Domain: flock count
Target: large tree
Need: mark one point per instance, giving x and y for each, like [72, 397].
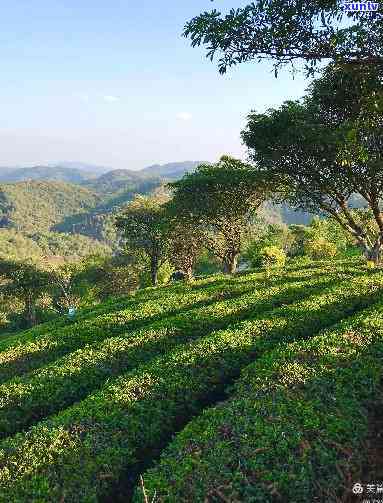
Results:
[144, 225]
[26, 282]
[285, 31]
[220, 200]
[328, 148]
[186, 242]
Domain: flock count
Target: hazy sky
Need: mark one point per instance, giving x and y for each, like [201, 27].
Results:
[115, 83]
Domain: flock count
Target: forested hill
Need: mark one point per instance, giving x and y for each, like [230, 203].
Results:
[39, 205]
[79, 173]
[39, 200]
[114, 183]
[170, 171]
[48, 173]
[75, 200]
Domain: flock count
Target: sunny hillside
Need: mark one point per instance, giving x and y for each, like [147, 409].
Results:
[253, 363]
[34, 206]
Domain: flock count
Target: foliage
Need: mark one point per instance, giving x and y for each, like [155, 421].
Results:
[320, 249]
[45, 247]
[108, 432]
[186, 242]
[207, 263]
[38, 206]
[285, 32]
[101, 277]
[330, 230]
[164, 273]
[17, 246]
[54, 253]
[299, 235]
[145, 227]
[86, 208]
[70, 246]
[220, 200]
[11, 313]
[25, 282]
[300, 408]
[272, 256]
[273, 235]
[108, 357]
[306, 147]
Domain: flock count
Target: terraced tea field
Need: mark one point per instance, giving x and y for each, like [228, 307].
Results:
[244, 388]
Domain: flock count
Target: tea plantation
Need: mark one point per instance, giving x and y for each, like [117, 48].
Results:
[244, 388]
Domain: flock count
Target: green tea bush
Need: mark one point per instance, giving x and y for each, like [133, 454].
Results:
[46, 343]
[272, 257]
[123, 424]
[292, 430]
[26, 399]
[320, 249]
[272, 236]
[39, 346]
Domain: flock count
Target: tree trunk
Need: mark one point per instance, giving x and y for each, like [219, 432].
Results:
[373, 254]
[154, 271]
[30, 313]
[189, 273]
[230, 263]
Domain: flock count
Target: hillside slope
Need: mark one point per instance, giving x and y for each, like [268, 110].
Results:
[28, 194]
[170, 171]
[104, 394]
[39, 205]
[47, 173]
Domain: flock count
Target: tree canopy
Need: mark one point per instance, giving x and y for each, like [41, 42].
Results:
[326, 148]
[26, 282]
[220, 199]
[144, 226]
[285, 31]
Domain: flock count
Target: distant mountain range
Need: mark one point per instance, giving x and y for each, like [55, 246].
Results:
[170, 171]
[74, 197]
[46, 173]
[81, 173]
[83, 166]
[82, 198]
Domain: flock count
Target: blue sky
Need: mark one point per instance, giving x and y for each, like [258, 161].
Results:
[115, 83]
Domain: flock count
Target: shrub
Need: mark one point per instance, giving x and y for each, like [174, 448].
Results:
[272, 257]
[320, 249]
[164, 273]
[46, 343]
[293, 429]
[123, 424]
[26, 399]
[207, 263]
[275, 236]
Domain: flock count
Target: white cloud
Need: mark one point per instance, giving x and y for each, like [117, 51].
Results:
[184, 116]
[110, 98]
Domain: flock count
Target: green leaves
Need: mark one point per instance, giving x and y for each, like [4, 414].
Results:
[324, 150]
[220, 200]
[124, 422]
[295, 423]
[286, 32]
[144, 225]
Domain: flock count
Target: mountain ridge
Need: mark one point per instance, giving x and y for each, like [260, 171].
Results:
[82, 173]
